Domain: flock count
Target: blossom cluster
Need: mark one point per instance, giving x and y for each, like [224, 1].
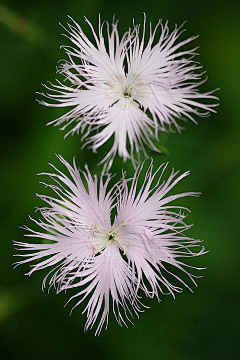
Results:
[108, 243]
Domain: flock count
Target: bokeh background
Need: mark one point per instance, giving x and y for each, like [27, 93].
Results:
[199, 326]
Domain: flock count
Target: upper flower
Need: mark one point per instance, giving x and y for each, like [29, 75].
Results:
[128, 88]
[111, 258]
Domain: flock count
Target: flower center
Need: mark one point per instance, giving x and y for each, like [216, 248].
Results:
[111, 236]
[127, 93]
[101, 238]
[125, 86]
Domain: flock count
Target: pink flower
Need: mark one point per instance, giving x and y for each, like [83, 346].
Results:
[109, 260]
[128, 89]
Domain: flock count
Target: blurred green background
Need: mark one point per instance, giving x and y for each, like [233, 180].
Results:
[199, 326]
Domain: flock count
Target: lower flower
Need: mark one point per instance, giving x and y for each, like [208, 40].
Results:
[110, 262]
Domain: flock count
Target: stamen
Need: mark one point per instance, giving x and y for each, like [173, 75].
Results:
[109, 237]
[124, 223]
[97, 249]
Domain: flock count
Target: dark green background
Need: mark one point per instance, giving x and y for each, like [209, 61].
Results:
[199, 326]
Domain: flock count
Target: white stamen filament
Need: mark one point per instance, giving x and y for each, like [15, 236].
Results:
[109, 236]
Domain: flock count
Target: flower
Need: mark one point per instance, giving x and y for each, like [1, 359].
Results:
[110, 261]
[127, 89]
